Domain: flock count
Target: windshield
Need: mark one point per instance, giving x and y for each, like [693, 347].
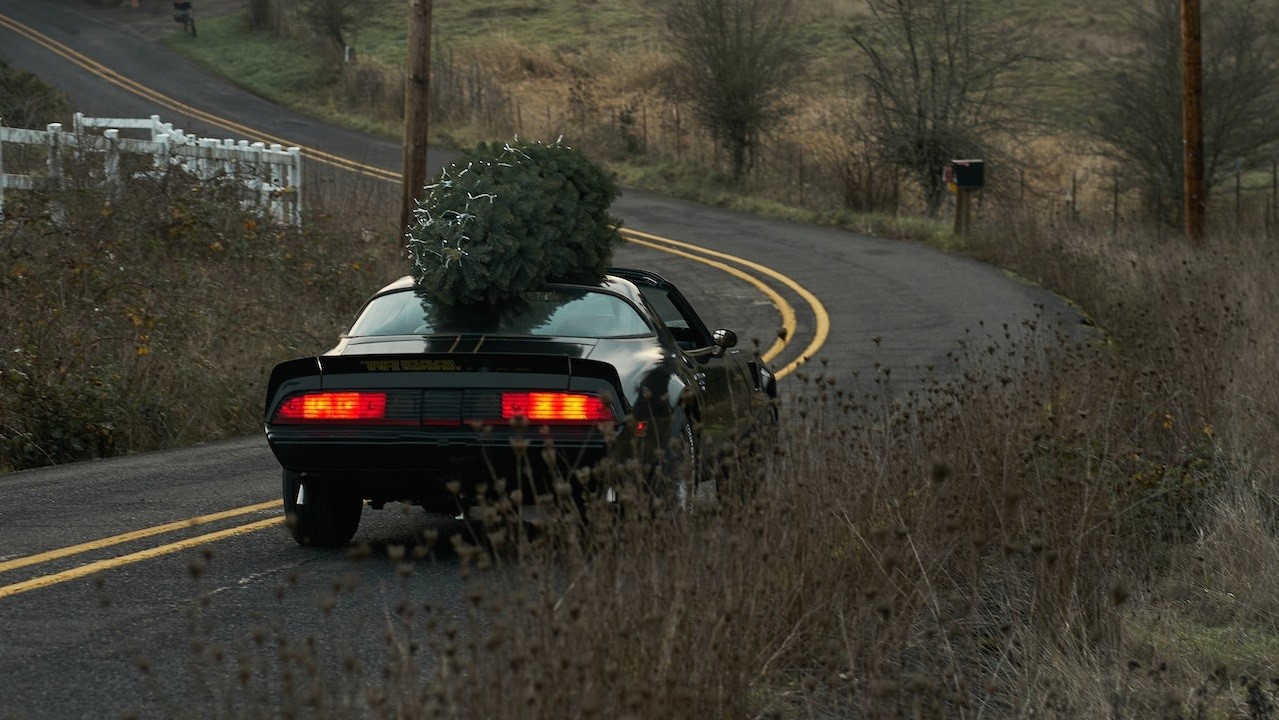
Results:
[568, 312]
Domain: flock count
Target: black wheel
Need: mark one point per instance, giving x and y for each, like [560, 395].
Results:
[683, 468]
[326, 516]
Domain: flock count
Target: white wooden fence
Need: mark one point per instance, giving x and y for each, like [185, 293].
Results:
[271, 174]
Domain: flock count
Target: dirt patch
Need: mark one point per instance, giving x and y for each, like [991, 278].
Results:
[153, 19]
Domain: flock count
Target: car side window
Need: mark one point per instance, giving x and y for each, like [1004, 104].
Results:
[682, 328]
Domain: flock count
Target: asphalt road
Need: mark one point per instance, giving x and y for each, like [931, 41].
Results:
[70, 642]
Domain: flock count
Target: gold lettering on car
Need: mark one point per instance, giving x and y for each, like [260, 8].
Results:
[411, 365]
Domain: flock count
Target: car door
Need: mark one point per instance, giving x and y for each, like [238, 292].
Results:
[720, 374]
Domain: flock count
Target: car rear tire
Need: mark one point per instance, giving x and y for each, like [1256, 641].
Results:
[328, 515]
[683, 469]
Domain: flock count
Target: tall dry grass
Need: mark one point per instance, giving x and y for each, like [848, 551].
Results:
[1031, 534]
[1044, 528]
[151, 318]
[1010, 539]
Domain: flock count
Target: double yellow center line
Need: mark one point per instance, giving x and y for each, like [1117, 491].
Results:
[90, 568]
[130, 85]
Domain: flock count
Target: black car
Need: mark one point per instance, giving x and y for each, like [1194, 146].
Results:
[431, 405]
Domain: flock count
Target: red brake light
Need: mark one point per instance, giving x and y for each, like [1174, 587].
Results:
[323, 406]
[555, 406]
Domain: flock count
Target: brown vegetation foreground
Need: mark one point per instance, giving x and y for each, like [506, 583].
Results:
[152, 320]
[1047, 529]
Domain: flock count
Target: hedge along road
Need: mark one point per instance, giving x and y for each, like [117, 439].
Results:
[65, 646]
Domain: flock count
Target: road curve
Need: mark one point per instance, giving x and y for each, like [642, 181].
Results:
[67, 648]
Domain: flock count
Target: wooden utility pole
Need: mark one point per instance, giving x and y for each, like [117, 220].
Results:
[416, 107]
[1192, 121]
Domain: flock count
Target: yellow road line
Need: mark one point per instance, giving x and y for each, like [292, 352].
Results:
[130, 85]
[819, 310]
[785, 308]
[134, 535]
[101, 565]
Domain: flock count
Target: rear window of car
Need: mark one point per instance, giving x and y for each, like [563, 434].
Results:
[559, 312]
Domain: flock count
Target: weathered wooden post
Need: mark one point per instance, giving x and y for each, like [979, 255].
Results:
[296, 183]
[967, 176]
[111, 162]
[416, 107]
[54, 161]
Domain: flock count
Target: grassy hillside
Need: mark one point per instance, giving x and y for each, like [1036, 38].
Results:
[587, 70]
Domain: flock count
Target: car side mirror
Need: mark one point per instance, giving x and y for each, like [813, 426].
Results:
[724, 339]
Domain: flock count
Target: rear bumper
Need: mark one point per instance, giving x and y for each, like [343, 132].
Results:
[420, 463]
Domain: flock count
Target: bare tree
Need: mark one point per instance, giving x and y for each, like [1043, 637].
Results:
[335, 19]
[943, 82]
[735, 62]
[1138, 113]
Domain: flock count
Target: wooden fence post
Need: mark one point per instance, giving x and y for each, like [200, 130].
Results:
[161, 159]
[260, 172]
[228, 160]
[242, 153]
[277, 181]
[295, 183]
[57, 211]
[54, 161]
[111, 163]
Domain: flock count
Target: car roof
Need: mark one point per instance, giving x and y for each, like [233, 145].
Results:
[618, 280]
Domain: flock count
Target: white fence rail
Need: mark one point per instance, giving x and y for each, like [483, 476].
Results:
[271, 174]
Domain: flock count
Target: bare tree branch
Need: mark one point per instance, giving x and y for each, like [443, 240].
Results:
[735, 63]
[1138, 113]
[942, 82]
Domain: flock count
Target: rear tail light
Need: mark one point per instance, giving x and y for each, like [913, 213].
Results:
[442, 408]
[333, 406]
[555, 407]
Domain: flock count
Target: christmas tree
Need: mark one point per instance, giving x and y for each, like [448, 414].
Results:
[505, 218]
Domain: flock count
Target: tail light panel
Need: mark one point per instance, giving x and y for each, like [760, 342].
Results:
[443, 408]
